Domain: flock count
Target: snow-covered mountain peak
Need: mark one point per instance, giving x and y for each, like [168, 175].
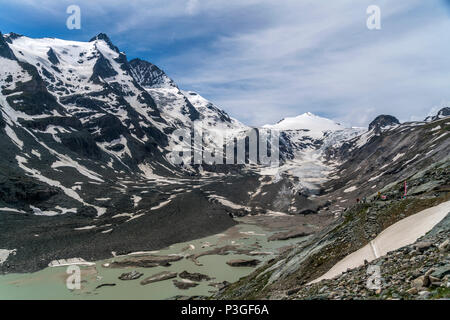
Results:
[383, 122]
[308, 121]
[104, 37]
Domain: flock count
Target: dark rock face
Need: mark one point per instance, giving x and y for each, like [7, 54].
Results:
[2, 122]
[23, 190]
[32, 96]
[5, 50]
[111, 127]
[383, 121]
[13, 36]
[102, 69]
[82, 143]
[148, 75]
[52, 56]
[445, 112]
[191, 111]
[43, 123]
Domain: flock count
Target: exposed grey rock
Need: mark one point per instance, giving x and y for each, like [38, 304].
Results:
[421, 282]
[445, 246]
[423, 246]
[184, 284]
[220, 285]
[148, 261]
[165, 275]
[383, 121]
[441, 271]
[243, 263]
[289, 235]
[149, 75]
[194, 276]
[133, 275]
[412, 291]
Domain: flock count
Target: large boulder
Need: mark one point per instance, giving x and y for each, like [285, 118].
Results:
[184, 284]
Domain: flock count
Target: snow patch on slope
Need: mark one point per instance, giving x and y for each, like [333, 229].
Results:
[4, 254]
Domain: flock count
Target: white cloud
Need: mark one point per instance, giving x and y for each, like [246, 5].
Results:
[323, 59]
[192, 6]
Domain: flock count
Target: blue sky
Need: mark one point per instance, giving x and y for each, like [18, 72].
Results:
[262, 60]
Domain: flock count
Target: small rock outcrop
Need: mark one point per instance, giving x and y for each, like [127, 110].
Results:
[145, 262]
[194, 276]
[184, 284]
[243, 263]
[133, 275]
[165, 275]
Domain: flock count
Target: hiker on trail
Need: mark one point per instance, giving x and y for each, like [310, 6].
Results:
[406, 190]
